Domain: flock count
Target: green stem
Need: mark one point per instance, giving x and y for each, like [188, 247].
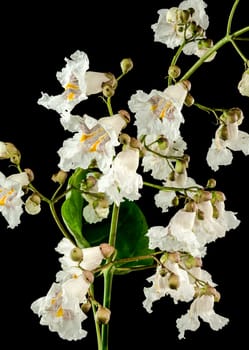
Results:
[226, 39]
[168, 188]
[97, 328]
[108, 276]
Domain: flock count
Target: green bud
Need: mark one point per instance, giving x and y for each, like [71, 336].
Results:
[174, 281]
[76, 254]
[189, 100]
[103, 315]
[174, 71]
[211, 183]
[126, 65]
[108, 90]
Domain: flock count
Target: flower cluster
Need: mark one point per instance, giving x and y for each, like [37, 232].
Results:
[102, 172]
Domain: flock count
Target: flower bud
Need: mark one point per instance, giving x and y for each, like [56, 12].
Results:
[107, 250]
[108, 90]
[164, 258]
[189, 100]
[219, 196]
[32, 204]
[175, 201]
[126, 65]
[30, 174]
[162, 143]
[186, 84]
[215, 212]
[60, 177]
[190, 206]
[174, 281]
[211, 183]
[174, 71]
[135, 143]
[13, 152]
[124, 139]
[103, 315]
[89, 276]
[163, 272]
[223, 132]
[86, 307]
[125, 115]
[76, 254]
[200, 214]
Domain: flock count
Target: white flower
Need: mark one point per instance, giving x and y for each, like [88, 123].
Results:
[160, 286]
[172, 30]
[94, 141]
[77, 84]
[210, 228]
[92, 256]
[122, 181]
[159, 112]
[11, 203]
[201, 307]
[60, 309]
[157, 160]
[177, 236]
[220, 153]
[243, 85]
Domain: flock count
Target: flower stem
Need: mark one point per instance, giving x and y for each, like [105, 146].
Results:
[108, 275]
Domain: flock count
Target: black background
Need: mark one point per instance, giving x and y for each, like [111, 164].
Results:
[35, 41]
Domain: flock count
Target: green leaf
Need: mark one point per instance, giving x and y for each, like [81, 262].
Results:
[131, 240]
[72, 207]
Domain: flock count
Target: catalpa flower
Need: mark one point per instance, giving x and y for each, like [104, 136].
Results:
[202, 307]
[11, 203]
[122, 180]
[94, 140]
[243, 85]
[175, 25]
[228, 138]
[159, 112]
[91, 256]
[78, 84]
[60, 309]
[161, 286]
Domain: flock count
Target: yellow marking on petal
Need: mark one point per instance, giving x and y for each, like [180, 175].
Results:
[60, 312]
[3, 200]
[85, 137]
[71, 96]
[71, 86]
[94, 146]
[5, 197]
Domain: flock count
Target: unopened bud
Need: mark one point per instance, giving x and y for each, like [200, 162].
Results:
[103, 315]
[180, 166]
[211, 183]
[89, 276]
[200, 214]
[76, 254]
[13, 152]
[189, 100]
[186, 84]
[164, 258]
[126, 65]
[175, 201]
[174, 281]
[190, 206]
[107, 250]
[32, 204]
[60, 177]
[124, 139]
[108, 90]
[125, 115]
[86, 307]
[174, 71]
[163, 143]
[30, 174]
